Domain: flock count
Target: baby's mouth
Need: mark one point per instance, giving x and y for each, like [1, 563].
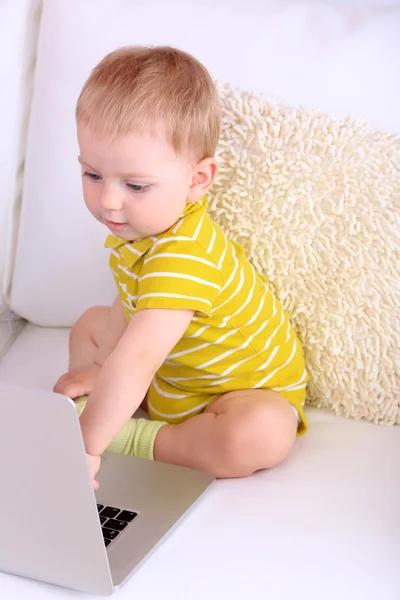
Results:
[115, 226]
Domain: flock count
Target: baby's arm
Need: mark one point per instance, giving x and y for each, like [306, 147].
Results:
[128, 371]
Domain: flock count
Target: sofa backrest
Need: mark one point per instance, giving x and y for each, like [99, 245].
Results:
[336, 59]
[18, 35]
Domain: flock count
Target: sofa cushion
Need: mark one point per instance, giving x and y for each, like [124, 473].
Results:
[324, 524]
[334, 58]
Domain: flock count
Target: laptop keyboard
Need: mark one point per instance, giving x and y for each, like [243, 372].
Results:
[113, 521]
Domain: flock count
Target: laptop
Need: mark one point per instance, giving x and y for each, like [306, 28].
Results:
[54, 527]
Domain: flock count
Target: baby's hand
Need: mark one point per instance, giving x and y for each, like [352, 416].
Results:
[78, 382]
[94, 463]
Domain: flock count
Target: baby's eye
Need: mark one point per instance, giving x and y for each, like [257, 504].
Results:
[92, 176]
[137, 188]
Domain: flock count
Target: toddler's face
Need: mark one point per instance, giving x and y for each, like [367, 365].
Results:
[136, 185]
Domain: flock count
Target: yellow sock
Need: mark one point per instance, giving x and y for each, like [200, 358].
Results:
[136, 438]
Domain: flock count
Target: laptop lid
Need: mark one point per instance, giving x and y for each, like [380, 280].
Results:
[48, 517]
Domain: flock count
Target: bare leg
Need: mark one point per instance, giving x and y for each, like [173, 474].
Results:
[242, 432]
[85, 336]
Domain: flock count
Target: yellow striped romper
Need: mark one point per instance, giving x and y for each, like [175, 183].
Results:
[239, 337]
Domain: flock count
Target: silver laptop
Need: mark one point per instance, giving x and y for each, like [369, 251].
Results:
[53, 527]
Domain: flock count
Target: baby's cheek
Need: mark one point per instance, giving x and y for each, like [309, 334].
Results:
[167, 213]
[89, 197]
[148, 214]
[93, 207]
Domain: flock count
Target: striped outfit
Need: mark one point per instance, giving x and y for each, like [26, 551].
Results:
[239, 337]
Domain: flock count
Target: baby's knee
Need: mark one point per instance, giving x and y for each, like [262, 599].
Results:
[259, 437]
[91, 322]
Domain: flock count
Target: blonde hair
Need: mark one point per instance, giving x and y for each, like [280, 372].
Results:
[154, 89]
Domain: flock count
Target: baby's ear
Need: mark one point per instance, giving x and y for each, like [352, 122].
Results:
[203, 176]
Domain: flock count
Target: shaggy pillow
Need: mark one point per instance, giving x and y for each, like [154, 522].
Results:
[315, 201]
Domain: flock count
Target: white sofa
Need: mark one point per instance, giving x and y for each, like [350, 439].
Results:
[326, 524]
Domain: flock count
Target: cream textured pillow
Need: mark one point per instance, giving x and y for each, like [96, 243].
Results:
[315, 201]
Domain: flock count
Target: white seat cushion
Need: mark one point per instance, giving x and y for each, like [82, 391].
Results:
[333, 58]
[325, 524]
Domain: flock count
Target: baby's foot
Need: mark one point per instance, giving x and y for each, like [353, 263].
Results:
[80, 403]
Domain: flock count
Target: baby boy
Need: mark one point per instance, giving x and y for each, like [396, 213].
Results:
[195, 335]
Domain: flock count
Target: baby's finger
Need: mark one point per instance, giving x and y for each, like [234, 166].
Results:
[96, 484]
[59, 387]
[73, 390]
[61, 382]
[64, 376]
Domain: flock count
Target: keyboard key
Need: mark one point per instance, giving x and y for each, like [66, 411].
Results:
[103, 519]
[114, 524]
[100, 507]
[127, 516]
[107, 542]
[110, 534]
[110, 512]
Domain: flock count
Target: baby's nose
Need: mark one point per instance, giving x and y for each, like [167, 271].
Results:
[110, 200]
